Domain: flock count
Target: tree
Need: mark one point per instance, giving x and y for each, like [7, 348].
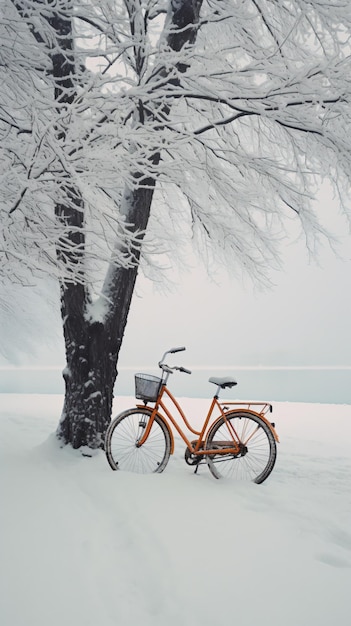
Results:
[141, 125]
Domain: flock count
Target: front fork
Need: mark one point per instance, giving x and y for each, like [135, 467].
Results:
[146, 423]
[139, 440]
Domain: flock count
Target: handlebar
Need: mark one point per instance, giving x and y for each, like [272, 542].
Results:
[167, 368]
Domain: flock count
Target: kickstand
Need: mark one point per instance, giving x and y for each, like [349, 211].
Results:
[196, 468]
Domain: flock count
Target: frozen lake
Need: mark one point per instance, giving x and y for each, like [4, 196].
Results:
[321, 385]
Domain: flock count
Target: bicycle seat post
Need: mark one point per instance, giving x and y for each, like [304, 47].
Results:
[217, 392]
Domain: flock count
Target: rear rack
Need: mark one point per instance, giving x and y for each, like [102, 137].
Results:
[266, 407]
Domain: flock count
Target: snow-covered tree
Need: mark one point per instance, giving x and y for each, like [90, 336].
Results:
[131, 127]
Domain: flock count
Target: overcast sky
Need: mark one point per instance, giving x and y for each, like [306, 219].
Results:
[303, 320]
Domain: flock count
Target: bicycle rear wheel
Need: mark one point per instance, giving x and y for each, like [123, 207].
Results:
[258, 448]
[123, 435]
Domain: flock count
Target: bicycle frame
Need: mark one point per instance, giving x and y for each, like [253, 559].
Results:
[198, 449]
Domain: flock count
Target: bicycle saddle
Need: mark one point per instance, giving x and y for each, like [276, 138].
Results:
[223, 382]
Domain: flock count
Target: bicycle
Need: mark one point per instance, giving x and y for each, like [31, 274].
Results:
[240, 443]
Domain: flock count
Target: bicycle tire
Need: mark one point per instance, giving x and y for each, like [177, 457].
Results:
[259, 454]
[122, 436]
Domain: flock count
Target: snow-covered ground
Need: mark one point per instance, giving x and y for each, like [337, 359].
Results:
[84, 546]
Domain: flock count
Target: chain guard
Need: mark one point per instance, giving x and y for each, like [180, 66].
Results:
[243, 450]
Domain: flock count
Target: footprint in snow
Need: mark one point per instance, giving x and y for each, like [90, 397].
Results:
[333, 560]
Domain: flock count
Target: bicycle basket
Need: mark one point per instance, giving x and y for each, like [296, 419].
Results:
[147, 387]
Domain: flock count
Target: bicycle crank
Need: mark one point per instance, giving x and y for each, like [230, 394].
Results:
[190, 457]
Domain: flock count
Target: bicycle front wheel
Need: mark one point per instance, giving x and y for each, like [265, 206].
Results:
[123, 435]
[258, 450]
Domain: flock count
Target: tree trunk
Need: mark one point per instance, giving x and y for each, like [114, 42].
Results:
[89, 379]
[92, 347]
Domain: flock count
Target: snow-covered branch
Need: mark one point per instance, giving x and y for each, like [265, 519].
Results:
[242, 107]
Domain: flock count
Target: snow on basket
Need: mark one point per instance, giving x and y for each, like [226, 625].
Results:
[147, 387]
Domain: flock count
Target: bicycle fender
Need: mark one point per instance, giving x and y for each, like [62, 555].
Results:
[249, 412]
[150, 410]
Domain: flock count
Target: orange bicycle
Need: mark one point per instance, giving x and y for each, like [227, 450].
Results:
[239, 444]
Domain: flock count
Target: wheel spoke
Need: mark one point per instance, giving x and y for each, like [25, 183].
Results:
[257, 458]
[121, 443]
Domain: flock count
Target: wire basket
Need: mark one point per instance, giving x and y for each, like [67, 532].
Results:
[147, 387]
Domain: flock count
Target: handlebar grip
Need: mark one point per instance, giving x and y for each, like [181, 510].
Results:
[173, 350]
[183, 369]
